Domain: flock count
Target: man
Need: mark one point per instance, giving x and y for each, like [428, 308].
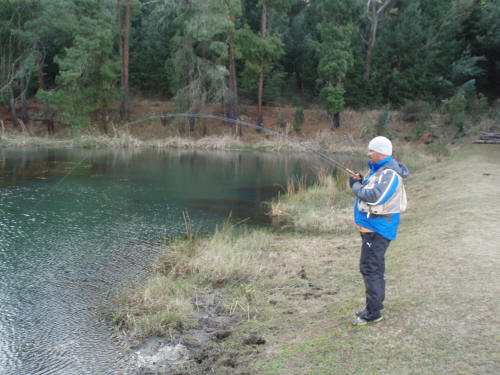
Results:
[380, 198]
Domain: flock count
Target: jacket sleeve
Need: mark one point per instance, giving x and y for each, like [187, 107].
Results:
[379, 191]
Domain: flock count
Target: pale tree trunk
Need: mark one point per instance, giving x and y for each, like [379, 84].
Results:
[41, 82]
[49, 117]
[373, 15]
[15, 122]
[22, 86]
[120, 38]
[261, 78]
[234, 111]
[103, 118]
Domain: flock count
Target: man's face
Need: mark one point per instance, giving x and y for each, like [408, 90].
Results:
[375, 157]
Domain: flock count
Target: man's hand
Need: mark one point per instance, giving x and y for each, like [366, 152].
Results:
[357, 178]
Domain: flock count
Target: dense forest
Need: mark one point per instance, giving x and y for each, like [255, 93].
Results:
[83, 57]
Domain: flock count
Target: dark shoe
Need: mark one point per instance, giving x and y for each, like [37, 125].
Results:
[359, 321]
[361, 312]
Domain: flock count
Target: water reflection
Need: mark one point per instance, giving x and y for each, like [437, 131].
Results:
[77, 224]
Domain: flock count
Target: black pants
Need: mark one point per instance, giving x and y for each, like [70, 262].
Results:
[372, 267]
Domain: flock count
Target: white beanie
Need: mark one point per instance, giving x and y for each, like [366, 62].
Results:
[382, 145]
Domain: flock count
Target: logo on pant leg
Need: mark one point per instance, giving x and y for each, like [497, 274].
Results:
[369, 244]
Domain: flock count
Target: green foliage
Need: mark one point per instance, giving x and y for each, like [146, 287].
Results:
[425, 52]
[89, 71]
[196, 69]
[455, 108]
[382, 119]
[251, 49]
[416, 110]
[281, 119]
[298, 119]
[334, 53]
[418, 130]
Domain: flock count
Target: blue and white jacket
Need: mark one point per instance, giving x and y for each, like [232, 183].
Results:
[379, 199]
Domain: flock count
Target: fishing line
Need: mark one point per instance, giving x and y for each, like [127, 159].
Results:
[250, 125]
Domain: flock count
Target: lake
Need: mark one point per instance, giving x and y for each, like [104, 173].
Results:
[77, 225]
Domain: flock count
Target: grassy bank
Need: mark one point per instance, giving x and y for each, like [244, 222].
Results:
[245, 265]
[297, 289]
[91, 140]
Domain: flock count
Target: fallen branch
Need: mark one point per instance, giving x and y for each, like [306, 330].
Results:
[490, 138]
[487, 141]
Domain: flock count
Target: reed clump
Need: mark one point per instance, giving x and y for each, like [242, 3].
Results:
[323, 207]
[231, 255]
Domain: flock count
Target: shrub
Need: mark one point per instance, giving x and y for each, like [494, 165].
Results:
[382, 120]
[281, 119]
[417, 131]
[455, 108]
[417, 110]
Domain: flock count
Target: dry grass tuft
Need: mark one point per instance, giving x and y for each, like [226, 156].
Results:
[159, 308]
[323, 207]
[230, 255]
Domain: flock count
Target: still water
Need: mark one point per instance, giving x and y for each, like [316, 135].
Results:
[77, 225]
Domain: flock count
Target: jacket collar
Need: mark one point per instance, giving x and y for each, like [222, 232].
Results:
[376, 166]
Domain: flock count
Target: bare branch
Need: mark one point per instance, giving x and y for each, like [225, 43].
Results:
[381, 9]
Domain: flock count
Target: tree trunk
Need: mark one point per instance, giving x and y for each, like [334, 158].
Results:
[24, 107]
[36, 47]
[50, 121]
[234, 111]
[41, 82]
[374, 18]
[191, 124]
[103, 118]
[120, 38]
[205, 130]
[124, 51]
[22, 86]
[261, 78]
[373, 38]
[335, 121]
[15, 122]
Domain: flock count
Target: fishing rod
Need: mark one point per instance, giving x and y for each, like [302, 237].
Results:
[254, 126]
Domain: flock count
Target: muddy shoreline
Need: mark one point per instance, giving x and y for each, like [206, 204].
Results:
[192, 352]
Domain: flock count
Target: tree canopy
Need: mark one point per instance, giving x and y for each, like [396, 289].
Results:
[200, 53]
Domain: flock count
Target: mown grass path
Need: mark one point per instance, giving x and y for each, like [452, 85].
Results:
[443, 281]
